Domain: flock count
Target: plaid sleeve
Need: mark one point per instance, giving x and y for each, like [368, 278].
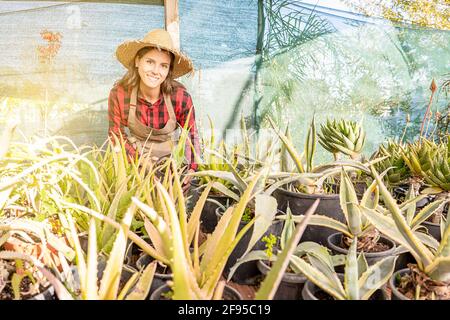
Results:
[188, 112]
[117, 121]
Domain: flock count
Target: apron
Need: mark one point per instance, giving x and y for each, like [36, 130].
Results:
[150, 142]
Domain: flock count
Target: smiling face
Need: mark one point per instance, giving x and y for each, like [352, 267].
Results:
[153, 67]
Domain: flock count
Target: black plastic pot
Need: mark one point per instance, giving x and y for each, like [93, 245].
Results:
[397, 295]
[131, 249]
[208, 217]
[334, 241]
[47, 294]
[400, 192]
[403, 260]
[360, 188]
[291, 284]
[248, 272]
[160, 278]
[299, 203]
[434, 229]
[229, 293]
[310, 291]
[125, 275]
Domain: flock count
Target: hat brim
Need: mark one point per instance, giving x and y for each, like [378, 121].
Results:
[126, 52]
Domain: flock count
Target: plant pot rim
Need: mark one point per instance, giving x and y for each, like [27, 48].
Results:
[195, 186]
[159, 290]
[385, 253]
[431, 224]
[159, 275]
[219, 215]
[307, 195]
[288, 277]
[309, 286]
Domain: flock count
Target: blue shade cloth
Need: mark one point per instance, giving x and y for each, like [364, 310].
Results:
[364, 68]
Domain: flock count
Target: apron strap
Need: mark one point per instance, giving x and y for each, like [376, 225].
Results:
[167, 102]
[169, 105]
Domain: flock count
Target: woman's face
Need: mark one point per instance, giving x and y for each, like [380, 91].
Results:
[153, 67]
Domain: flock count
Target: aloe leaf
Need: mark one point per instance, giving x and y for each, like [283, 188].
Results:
[224, 175]
[270, 284]
[109, 284]
[321, 260]
[411, 211]
[351, 273]
[155, 238]
[318, 278]
[215, 238]
[80, 261]
[226, 243]
[371, 196]
[224, 190]
[362, 264]
[289, 147]
[128, 285]
[265, 210]
[91, 289]
[427, 212]
[387, 226]
[324, 221]
[439, 269]
[444, 247]
[301, 178]
[142, 287]
[288, 229]
[349, 201]
[376, 276]
[194, 219]
[311, 141]
[241, 185]
[418, 249]
[108, 231]
[251, 256]
[286, 162]
[427, 240]
[182, 215]
[182, 273]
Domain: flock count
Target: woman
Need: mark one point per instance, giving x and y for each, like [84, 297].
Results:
[149, 102]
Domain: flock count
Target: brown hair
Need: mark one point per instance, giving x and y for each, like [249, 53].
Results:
[132, 78]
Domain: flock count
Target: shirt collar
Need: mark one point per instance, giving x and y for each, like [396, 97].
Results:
[157, 102]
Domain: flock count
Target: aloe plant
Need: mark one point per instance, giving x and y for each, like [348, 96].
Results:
[137, 287]
[196, 275]
[398, 172]
[212, 157]
[309, 178]
[356, 225]
[360, 280]
[273, 278]
[272, 255]
[431, 261]
[418, 157]
[343, 136]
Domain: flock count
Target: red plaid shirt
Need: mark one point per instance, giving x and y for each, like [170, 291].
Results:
[153, 115]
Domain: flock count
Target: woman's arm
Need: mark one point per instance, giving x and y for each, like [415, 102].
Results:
[117, 122]
[188, 113]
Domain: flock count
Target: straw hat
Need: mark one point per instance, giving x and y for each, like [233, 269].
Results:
[158, 38]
